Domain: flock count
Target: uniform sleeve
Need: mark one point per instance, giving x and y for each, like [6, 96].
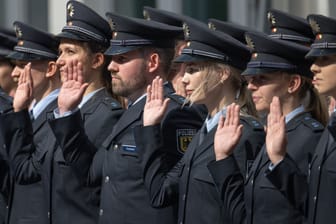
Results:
[77, 149]
[290, 181]
[230, 185]
[19, 144]
[161, 184]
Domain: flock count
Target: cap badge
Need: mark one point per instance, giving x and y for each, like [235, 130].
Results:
[18, 32]
[186, 31]
[20, 43]
[211, 26]
[146, 14]
[112, 24]
[249, 42]
[271, 18]
[70, 10]
[314, 25]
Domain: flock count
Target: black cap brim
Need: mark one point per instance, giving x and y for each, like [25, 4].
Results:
[318, 52]
[116, 50]
[26, 56]
[258, 71]
[72, 36]
[191, 58]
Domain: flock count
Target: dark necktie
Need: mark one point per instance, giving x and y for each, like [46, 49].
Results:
[203, 133]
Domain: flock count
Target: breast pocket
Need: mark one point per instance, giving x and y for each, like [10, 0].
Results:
[264, 183]
[202, 174]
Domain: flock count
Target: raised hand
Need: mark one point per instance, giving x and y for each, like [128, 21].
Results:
[24, 92]
[228, 132]
[276, 140]
[73, 87]
[156, 105]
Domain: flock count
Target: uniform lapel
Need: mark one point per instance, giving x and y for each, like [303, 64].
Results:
[132, 114]
[91, 105]
[43, 117]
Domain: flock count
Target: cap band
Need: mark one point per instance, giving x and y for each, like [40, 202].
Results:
[290, 37]
[205, 54]
[262, 64]
[133, 42]
[84, 31]
[324, 45]
[34, 51]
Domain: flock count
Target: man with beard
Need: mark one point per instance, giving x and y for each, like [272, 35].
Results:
[141, 50]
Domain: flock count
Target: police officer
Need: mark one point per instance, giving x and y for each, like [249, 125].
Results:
[277, 68]
[322, 183]
[38, 79]
[140, 50]
[214, 61]
[176, 72]
[67, 197]
[7, 87]
[8, 41]
[285, 26]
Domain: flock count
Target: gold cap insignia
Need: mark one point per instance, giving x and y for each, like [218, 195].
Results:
[186, 31]
[146, 14]
[249, 42]
[319, 36]
[314, 25]
[188, 44]
[114, 34]
[274, 30]
[112, 24]
[254, 55]
[212, 26]
[18, 32]
[69, 23]
[20, 43]
[70, 10]
[271, 18]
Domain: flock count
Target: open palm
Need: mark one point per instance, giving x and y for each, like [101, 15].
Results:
[156, 105]
[228, 132]
[73, 87]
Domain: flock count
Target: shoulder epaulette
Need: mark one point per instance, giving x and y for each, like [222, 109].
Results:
[312, 123]
[177, 98]
[254, 123]
[114, 104]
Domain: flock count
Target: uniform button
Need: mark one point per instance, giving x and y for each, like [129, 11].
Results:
[48, 214]
[251, 182]
[101, 212]
[319, 167]
[4, 146]
[314, 198]
[183, 197]
[7, 206]
[188, 168]
[107, 179]
[115, 147]
[181, 222]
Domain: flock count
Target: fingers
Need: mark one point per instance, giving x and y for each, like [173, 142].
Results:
[80, 77]
[149, 94]
[70, 70]
[220, 122]
[75, 70]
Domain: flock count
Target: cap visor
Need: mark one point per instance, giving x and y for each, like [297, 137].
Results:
[191, 58]
[25, 56]
[71, 36]
[258, 71]
[318, 52]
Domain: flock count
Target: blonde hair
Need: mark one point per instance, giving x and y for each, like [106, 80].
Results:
[212, 79]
